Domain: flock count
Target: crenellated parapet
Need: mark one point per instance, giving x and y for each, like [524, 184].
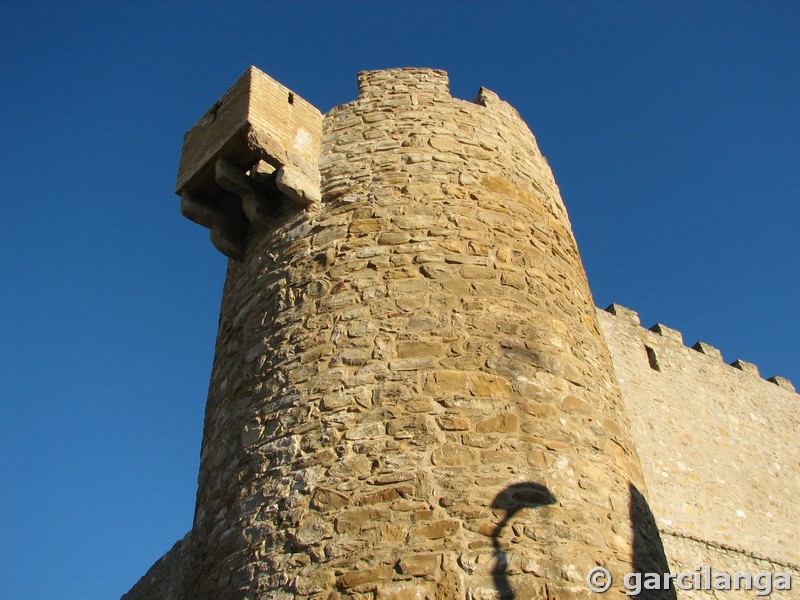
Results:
[718, 446]
[675, 336]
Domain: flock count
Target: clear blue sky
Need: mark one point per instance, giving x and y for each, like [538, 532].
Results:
[673, 130]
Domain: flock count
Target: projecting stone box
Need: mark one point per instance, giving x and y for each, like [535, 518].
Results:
[257, 147]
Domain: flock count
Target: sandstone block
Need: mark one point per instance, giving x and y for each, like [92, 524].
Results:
[354, 357]
[471, 272]
[418, 349]
[502, 423]
[438, 530]
[446, 382]
[484, 384]
[421, 323]
[453, 423]
[386, 495]
[452, 455]
[437, 271]
[411, 364]
[325, 500]
[393, 477]
[366, 226]
[393, 534]
[479, 440]
[297, 186]
[311, 530]
[361, 432]
[355, 520]
[409, 427]
[401, 591]
[442, 143]
[573, 404]
[394, 238]
[420, 565]
[365, 577]
[498, 457]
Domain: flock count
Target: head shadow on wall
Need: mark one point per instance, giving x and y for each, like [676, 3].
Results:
[648, 550]
[511, 500]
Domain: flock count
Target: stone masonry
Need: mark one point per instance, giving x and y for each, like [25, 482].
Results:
[719, 449]
[413, 395]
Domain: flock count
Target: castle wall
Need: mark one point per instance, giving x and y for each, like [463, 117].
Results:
[719, 449]
[411, 396]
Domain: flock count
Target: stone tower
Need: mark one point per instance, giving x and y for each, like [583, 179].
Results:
[411, 397]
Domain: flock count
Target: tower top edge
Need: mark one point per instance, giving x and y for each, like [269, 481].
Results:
[403, 80]
[405, 70]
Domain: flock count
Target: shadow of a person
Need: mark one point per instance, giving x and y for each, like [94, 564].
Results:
[512, 499]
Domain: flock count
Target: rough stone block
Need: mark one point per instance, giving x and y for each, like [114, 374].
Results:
[447, 382]
[415, 349]
[502, 423]
[438, 529]
[365, 576]
[484, 384]
[452, 455]
[453, 423]
[420, 565]
[326, 499]
[300, 188]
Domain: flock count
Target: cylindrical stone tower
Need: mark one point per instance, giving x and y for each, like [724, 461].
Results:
[411, 397]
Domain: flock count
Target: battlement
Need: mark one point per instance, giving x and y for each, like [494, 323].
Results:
[676, 336]
[420, 85]
[717, 443]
